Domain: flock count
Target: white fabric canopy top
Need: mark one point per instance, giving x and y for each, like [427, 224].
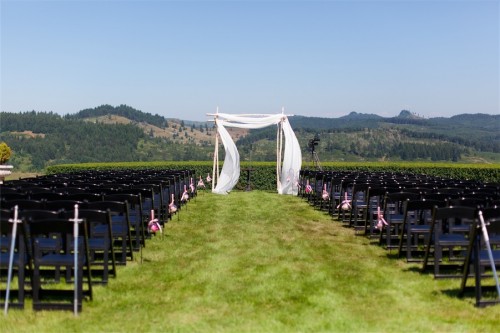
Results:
[288, 163]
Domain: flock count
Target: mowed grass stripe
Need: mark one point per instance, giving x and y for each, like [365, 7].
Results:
[262, 262]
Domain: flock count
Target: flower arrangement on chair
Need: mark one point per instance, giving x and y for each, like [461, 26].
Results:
[154, 225]
[345, 205]
[309, 188]
[380, 219]
[172, 208]
[325, 194]
[191, 185]
[185, 195]
[201, 184]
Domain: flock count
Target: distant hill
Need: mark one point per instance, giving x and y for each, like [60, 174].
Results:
[360, 116]
[408, 115]
[121, 110]
[122, 133]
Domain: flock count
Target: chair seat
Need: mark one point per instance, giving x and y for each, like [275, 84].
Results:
[395, 218]
[453, 240]
[119, 229]
[44, 243]
[98, 244]
[495, 240]
[484, 258]
[57, 260]
[421, 229]
[460, 228]
[5, 257]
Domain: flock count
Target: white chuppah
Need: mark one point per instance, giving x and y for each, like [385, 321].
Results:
[288, 154]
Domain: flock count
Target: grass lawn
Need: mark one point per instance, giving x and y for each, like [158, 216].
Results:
[261, 262]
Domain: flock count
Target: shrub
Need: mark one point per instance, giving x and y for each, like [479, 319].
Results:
[5, 152]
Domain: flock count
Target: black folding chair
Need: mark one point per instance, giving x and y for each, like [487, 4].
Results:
[136, 220]
[100, 240]
[445, 234]
[120, 221]
[393, 215]
[61, 255]
[19, 258]
[484, 253]
[415, 231]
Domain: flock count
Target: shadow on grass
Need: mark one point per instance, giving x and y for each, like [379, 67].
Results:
[455, 293]
[392, 255]
[416, 269]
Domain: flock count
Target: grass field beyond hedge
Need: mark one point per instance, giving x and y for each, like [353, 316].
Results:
[261, 262]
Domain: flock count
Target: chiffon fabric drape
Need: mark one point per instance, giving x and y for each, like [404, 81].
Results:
[290, 162]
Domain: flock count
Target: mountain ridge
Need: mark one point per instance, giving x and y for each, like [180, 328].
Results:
[122, 133]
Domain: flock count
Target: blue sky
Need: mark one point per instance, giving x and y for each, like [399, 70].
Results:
[183, 59]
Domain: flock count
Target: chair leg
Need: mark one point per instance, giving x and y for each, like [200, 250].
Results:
[438, 255]
[105, 269]
[477, 274]
[36, 285]
[408, 244]
[20, 278]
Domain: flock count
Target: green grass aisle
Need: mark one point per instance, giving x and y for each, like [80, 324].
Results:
[261, 262]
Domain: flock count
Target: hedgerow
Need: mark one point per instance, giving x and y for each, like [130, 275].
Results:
[263, 174]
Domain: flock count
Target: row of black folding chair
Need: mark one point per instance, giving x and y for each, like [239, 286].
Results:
[420, 216]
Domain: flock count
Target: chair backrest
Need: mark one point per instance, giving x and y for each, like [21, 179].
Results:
[454, 191]
[424, 204]
[444, 219]
[146, 195]
[38, 189]
[360, 191]
[98, 222]
[5, 213]
[23, 204]
[46, 196]
[135, 210]
[134, 201]
[420, 190]
[114, 207]
[436, 196]
[6, 230]
[156, 198]
[8, 190]
[455, 212]
[394, 203]
[468, 202]
[60, 228]
[38, 214]
[13, 196]
[422, 209]
[64, 205]
[491, 217]
[84, 196]
[71, 190]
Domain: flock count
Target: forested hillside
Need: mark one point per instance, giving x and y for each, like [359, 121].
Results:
[471, 138]
[122, 133]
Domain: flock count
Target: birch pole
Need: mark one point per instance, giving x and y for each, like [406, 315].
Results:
[15, 221]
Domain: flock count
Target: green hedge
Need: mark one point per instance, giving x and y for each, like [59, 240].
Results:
[263, 176]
